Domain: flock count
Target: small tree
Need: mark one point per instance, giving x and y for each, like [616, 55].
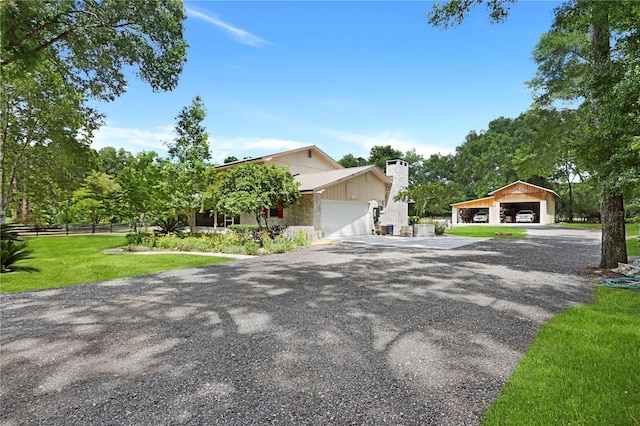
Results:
[97, 199]
[138, 181]
[251, 188]
[431, 198]
[190, 155]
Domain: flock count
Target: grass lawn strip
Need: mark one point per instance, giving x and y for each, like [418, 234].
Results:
[631, 230]
[72, 260]
[582, 368]
[482, 231]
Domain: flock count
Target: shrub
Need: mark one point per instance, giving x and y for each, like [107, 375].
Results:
[232, 238]
[252, 248]
[168, 241]
[233, 249]
[276, 230]
[239, 239]
[265, 236]
[439, 226]
[247, 232]
[301, 239]
[170, 225]
[13, 251]
[137, 238]
[279, 244]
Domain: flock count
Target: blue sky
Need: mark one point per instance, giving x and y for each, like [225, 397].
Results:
[344, 76]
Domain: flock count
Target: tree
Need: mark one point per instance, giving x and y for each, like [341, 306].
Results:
[379, 155]
[601, 72]
[590, 56]
[90, 43]
[190, 155]
[430, 198]
[139, 182]
[97, 199]
[44, 135]
[250, 188]
[112, 161]
[551, 150]
[436, 168]
[55, 55]
[230, 159]
[415, 162]
[484, 162]
[349, 160]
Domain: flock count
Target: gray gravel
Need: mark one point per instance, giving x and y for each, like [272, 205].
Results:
[337, 334]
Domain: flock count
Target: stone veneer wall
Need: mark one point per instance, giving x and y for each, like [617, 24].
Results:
[303, 212]
[312, 234]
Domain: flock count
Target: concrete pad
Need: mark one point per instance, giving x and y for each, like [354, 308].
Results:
[443, 242]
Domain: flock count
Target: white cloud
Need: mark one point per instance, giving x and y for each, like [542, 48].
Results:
[137, 140]
[237, 34]
[242, 147]
[133, 140]
[397, 140]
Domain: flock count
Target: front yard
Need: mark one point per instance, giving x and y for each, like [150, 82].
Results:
[64, 261]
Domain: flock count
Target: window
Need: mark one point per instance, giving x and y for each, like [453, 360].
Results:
[273, 212]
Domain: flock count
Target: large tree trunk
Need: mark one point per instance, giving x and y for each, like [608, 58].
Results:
[614, 247]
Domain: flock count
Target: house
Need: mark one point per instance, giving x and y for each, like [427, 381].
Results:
[503, 204]
[335, 200]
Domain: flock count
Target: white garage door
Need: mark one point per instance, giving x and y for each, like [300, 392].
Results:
[342, 218]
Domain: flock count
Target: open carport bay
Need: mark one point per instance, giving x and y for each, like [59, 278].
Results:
[337, 334]
[511, 209]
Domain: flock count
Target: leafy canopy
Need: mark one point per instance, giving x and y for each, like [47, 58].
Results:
[249, 188]
[92, 43]
[190, 172]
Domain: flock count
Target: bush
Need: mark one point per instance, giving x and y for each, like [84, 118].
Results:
[233, 249]
[13, 250]
[279, 244]
[247, 232]
[137, 238]
[301, 239]
[240, 239]
[439, 228]
[170, 225]
[276, 230]
[252, 248]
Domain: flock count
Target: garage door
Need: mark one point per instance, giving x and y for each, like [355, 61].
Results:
[342, 218]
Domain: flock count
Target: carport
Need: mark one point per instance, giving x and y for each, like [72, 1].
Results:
[503, 204]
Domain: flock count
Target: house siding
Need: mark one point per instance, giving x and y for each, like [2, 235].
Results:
[301, 163]
[363, 188]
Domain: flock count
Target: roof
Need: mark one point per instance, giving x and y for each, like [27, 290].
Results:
[269, 157]
[478, 203]
[493, 195]
[317, 181]
[527, 184]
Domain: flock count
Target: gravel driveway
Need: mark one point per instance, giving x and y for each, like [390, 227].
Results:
[337, 334]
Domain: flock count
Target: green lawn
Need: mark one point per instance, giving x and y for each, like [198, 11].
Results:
[79, 259]
[632, 230]
[483, 231]
[582, 369]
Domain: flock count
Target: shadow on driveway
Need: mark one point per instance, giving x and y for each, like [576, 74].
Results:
[335, 334]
